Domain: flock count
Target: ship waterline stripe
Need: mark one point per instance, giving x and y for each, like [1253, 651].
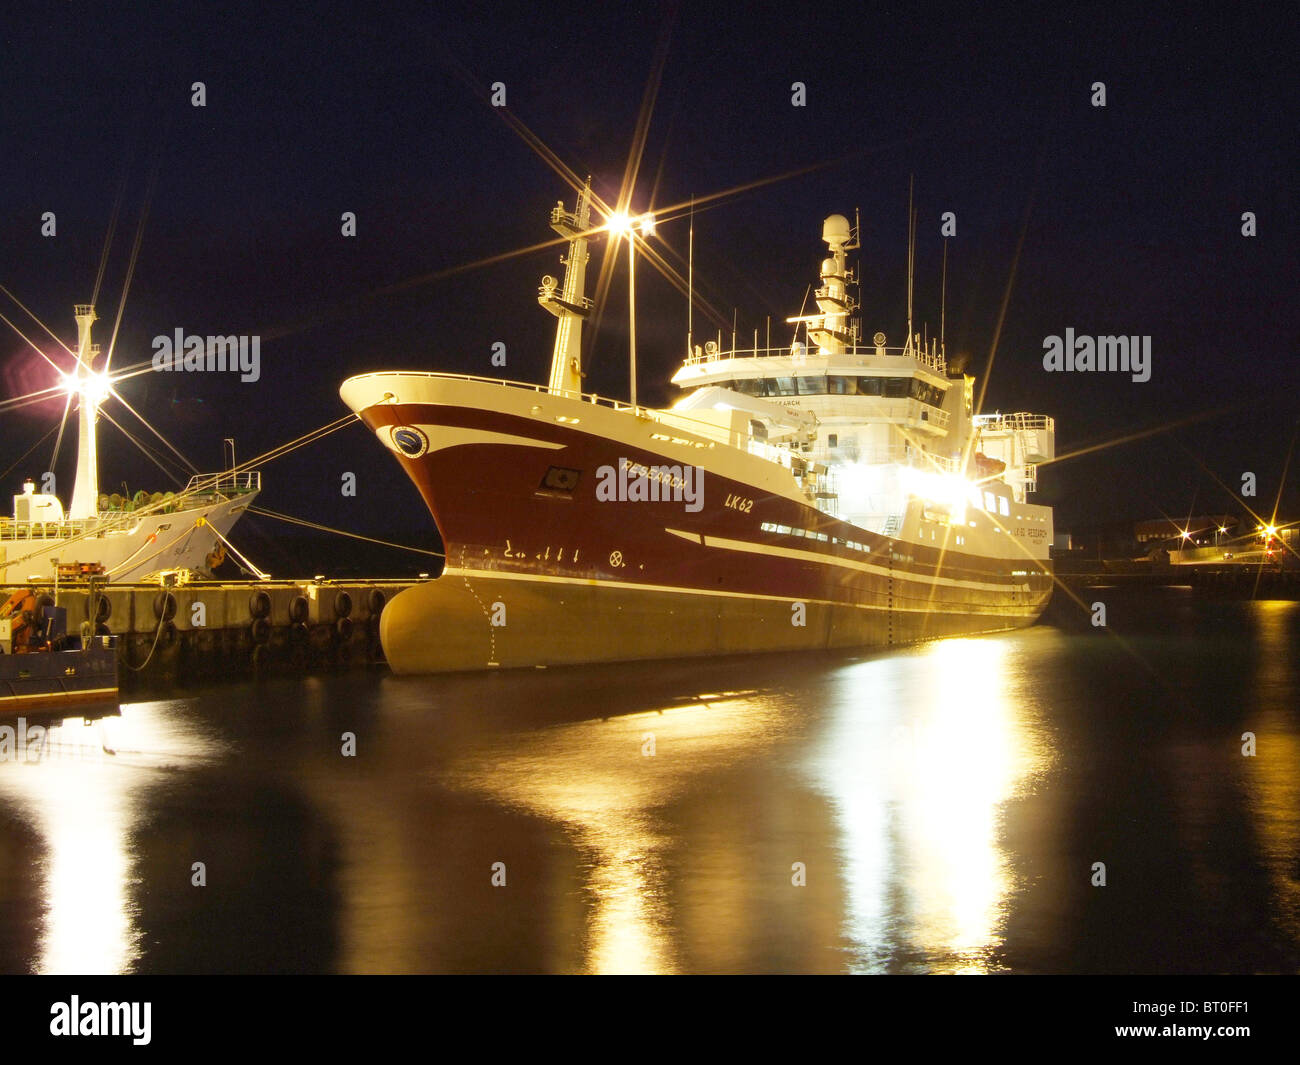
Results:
[845, 563]
[74, 694]
[589, 582]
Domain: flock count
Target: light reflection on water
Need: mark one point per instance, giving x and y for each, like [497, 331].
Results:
[603, 781]
[919, 755]
[81, 792]
[946, 801]
[1272, 775]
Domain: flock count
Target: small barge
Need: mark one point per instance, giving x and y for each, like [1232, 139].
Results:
[43, 669]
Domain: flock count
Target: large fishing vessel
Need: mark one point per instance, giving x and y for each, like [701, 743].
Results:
[827, 494]
[116, 538]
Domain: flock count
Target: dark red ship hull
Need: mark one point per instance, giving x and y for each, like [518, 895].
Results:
[541, 570]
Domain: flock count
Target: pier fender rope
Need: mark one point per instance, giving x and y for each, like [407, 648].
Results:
[149, 657]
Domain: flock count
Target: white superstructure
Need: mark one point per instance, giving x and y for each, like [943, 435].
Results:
[882, 436]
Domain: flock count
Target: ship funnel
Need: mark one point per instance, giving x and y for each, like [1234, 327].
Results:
[836, 231]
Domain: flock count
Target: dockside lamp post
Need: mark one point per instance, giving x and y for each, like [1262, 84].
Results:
[623, 224]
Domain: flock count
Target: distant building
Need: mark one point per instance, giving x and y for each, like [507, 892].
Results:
[1267, 545]
[1200, 530]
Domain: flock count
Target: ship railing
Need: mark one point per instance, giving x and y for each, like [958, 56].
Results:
[1014, 422]
[898, 455]
[65, 529]
[667, 418]
[670, 419]
[935, 416]
[224, 484]
[904, 455]
[931, 359]
[772, 452]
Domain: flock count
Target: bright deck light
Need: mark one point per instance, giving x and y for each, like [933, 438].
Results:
[95, 387]
[98, 386]
[622, 224]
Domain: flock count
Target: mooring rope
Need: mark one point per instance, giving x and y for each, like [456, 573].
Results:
[187, 531]
[234, 550]
[162, 620]
[28, 452]
[344, 532]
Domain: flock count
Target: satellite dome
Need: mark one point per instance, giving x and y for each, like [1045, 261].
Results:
[835, 230]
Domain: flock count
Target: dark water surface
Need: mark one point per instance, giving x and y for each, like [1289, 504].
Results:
[947, 802]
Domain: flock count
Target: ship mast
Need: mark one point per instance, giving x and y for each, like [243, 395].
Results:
[85, 492]
[911, 263]
[571, 306]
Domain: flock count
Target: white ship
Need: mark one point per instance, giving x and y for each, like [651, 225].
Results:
[122, 540]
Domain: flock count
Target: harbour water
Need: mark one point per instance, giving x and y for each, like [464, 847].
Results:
[933, 809]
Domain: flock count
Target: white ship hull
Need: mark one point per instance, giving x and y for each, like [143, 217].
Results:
[128, 550]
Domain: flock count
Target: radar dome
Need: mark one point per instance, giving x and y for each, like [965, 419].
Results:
[835, 230]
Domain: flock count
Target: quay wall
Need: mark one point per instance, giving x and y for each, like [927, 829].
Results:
[208, 630]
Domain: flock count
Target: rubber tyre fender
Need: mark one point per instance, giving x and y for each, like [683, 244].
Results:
[342, 605]
[164, 606]
[259, 605]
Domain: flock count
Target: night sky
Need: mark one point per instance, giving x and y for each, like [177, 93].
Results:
[1131, 215]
